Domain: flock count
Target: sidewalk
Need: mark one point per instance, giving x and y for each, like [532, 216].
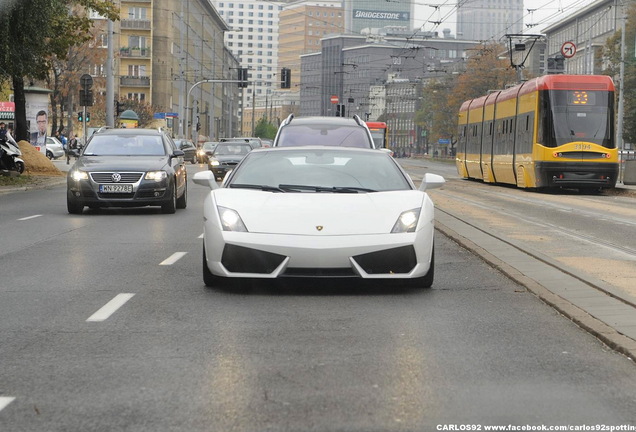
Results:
[591, 304]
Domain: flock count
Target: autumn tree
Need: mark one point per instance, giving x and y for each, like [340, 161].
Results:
[486, 69]
[33, 32]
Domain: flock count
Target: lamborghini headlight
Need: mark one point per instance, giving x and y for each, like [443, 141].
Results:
[407, 222]
[156, 175]
[230, 220]
[79, 175]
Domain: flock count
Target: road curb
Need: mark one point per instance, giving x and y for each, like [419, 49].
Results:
[605, 333]
[45, 184]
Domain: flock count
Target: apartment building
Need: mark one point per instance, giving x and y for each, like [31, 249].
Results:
[163, 50]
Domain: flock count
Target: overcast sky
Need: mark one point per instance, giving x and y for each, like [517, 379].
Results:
[542, 13]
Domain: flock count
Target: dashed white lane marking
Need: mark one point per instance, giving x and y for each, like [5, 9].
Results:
[4, 401]
[110, 308]
[173, 258]
[29, 217]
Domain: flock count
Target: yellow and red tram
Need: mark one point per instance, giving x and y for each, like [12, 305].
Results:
[548, 132]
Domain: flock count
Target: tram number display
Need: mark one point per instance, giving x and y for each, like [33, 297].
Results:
[581, 97]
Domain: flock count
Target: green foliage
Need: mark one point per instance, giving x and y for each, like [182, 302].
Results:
[264, 129]
[35, 30]
[33, 33]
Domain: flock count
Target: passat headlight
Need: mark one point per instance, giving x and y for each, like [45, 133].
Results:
[230, 220]
[79, 175]
[156, 175]
[214, 162]
[407, 222]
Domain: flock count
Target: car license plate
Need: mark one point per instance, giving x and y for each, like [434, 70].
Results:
[115, 188]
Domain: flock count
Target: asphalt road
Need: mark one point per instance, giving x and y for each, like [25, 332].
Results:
[105, 325]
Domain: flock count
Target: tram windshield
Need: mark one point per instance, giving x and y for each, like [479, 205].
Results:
[578, 115]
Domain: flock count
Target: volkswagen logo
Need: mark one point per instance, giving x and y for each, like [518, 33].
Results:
[116, 177]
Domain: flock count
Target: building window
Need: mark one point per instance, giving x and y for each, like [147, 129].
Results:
[137, 13]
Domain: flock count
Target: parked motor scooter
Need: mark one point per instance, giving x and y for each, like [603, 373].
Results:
[10, 159]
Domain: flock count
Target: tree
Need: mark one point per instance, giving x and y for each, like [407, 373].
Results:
[264, 129]
[443, 96]
[35, 31]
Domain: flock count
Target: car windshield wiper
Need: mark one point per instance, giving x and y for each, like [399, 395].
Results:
[257, 186]
[336, 189]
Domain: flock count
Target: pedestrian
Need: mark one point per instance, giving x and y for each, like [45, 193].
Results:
[62, 138]
[5, 135]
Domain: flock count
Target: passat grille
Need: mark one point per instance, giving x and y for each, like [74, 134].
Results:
[107, 177]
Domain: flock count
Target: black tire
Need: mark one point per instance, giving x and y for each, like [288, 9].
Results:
[170, 207]
[49, 155]
[19, 167]
[209, 279]
[73, 205]
[182, 201]
[426, 281]
[194, 159]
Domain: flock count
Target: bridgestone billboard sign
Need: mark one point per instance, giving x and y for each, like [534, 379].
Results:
[387, 16]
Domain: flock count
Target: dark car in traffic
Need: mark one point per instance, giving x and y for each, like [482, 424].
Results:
[254, 142]
[226, 155]
[128, 168]
[187, 147]
[323, 130]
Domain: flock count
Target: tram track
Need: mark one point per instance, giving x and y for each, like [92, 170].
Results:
[545, 226]
[545, 260]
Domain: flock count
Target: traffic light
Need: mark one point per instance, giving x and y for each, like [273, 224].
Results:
[285, 78]
[340, 110]
[119, 108]
[86, 94]
[88, 117]
[80, 117]
[242, 76]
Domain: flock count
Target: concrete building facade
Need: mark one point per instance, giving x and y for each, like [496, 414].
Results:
[252, 37]
[489, 20]
[588, 29]
[376, 14]
[162, 49]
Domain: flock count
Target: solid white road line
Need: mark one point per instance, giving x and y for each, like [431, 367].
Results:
[173, 258]
[110, 308]
[4, 401]
[29, 217]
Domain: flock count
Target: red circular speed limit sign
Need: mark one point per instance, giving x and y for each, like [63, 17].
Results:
[568, 49]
